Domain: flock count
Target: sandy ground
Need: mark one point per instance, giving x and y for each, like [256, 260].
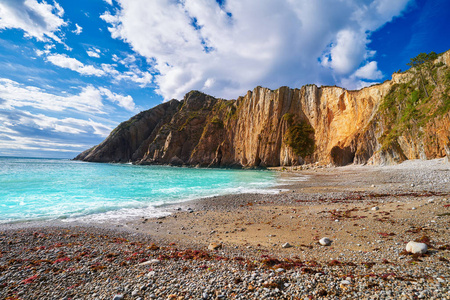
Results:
[361, 208]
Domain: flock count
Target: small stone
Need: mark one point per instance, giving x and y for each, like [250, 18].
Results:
[118, 297]
[150, 262]
[345, 282]
[279, 270]
[286, 245]
[375, 208]
[325, 241]
[214, 246]
[373, 185]
[413, 208]
[414, 247]
[412, 184]
[135, 293]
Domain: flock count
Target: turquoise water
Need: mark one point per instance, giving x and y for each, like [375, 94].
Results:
[41, 189]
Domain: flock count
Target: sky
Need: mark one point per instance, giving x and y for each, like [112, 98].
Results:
[71, 71]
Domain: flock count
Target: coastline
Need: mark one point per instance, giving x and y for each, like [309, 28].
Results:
[412, 199]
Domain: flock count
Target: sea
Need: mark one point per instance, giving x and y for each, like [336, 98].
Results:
[35, 189]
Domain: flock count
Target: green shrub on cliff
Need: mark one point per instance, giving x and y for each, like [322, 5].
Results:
[411, 105]
[217, 122]
[299, 136]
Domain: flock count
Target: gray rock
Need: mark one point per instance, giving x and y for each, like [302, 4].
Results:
[118, 297]
[286, 245]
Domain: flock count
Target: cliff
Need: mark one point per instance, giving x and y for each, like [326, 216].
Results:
[407, 117]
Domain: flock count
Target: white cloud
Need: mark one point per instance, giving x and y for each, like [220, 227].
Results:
[13, 142]
[369, 71]
[64, 61]
[89, 100]
[78, 30]
[94, 52]
[134, 74]
[64, 125]
[123, 101]
[109, 2]
[347, 53]
[225, 50]
[40, 20]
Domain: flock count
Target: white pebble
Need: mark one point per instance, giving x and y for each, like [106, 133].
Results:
[414, 247]
[325, 241]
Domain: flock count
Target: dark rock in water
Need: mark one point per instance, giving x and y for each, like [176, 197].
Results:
[176, 161]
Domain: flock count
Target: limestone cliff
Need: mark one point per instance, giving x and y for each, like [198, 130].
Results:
[407, 117]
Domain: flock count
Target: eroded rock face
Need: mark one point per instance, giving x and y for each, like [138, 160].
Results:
[283, 127]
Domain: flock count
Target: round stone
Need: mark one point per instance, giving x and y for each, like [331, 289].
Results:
[325, 241]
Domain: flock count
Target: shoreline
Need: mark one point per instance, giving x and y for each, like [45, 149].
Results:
[369, 212]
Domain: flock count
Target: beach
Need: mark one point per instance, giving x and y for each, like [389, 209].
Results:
[253, 246]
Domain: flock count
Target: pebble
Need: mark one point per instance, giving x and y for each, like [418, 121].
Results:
[150, 262]
[214, 246]
[325, 241]
[414, 247]
[375, 208]
[286, 245]
[118, 297]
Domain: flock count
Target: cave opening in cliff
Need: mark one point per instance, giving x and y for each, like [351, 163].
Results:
[342, 156]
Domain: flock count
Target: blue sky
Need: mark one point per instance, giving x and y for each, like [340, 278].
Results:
[70, 71]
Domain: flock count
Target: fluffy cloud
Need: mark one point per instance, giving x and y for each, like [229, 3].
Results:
[40, 20]
[64, 61]
[369, 71]
[89, 100]
[226, 49]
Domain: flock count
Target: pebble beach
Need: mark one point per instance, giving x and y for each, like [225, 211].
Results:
[253, 246]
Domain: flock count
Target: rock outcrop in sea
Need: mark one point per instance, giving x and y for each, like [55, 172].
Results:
[407, 117]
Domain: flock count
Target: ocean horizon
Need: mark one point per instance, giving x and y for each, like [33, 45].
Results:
[37, 189]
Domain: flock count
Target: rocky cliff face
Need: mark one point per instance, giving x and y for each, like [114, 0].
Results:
[407, 117]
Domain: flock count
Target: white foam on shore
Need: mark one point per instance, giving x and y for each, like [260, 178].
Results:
[160, 209]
